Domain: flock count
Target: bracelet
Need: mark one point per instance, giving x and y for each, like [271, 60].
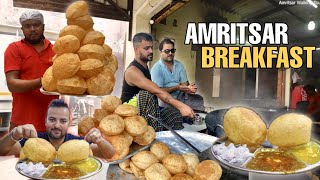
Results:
[11, 135]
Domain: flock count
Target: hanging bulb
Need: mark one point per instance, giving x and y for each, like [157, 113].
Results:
[311, 25]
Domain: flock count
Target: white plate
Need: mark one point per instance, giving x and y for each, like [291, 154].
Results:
[82, 177]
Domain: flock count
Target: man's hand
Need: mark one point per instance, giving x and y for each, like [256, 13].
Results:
[186, 111]
[25, 131]
[183, 88]
[93, 136]
[192, 88]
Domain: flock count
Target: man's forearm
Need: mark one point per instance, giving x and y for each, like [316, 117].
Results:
[6, 144]
[19, 85]
[106, 149]
[171, 89]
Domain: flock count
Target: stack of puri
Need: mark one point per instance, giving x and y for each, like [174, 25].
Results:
[83, 63]
[159, 163]
[119, 124]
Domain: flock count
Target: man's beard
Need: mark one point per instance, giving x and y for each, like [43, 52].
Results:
[54, 136]
[35, 41]
[146, 58]
[169, 59]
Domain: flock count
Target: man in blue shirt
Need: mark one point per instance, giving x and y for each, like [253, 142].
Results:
[170, 74]
[57, 124]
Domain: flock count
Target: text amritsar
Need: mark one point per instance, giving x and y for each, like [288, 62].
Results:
[247, 45]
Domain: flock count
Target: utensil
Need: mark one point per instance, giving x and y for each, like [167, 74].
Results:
[203, 141]
[175, 133]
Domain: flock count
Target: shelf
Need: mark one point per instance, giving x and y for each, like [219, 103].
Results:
[4, 129]
[5, 110]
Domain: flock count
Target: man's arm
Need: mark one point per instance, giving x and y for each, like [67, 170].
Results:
[9, 142]
[175, 88]
[101, 146]
[15, 84]
[135, 77]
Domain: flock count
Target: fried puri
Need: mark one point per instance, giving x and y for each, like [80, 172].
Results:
[65, 66]
[110, 103]
[93, 37]
[113, 63]
[85, 125]
[144, 159]
[66, 44]
[77, 9]
[74, 30]
[126, 110]
[39, 150]
[145, 138]
[73, 85]
[108, 50]
[121, 141]
[181, 176]
[244, 126]
[128, 137]
[290, 130]
[112, 125]
[22, 156]
[175, 163]
[121, 144]
[160, 149]
[73, 151]
[99, 114]
[101, 84]
[91, 51]
[86, 22]
[208, 170]
[135, 125]
[157, 171]
[49, 83]
[139, 173]
[192, 161]
[125, 165]
[90, 67]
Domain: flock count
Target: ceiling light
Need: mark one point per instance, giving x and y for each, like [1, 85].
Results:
[311, 25]
[312, 3]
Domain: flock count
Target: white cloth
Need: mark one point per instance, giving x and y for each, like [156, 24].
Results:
[31, 14]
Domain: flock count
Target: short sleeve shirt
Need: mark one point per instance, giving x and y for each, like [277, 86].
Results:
[164, 78]
[29, 107]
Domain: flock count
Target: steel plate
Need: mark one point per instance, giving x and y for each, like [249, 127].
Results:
[59, 94]
[241, 169]
[82, 177]
[199, 140]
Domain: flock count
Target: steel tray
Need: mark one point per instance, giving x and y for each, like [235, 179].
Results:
[241, 169]
[82, 177]
[200, 140]
[59, 94]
